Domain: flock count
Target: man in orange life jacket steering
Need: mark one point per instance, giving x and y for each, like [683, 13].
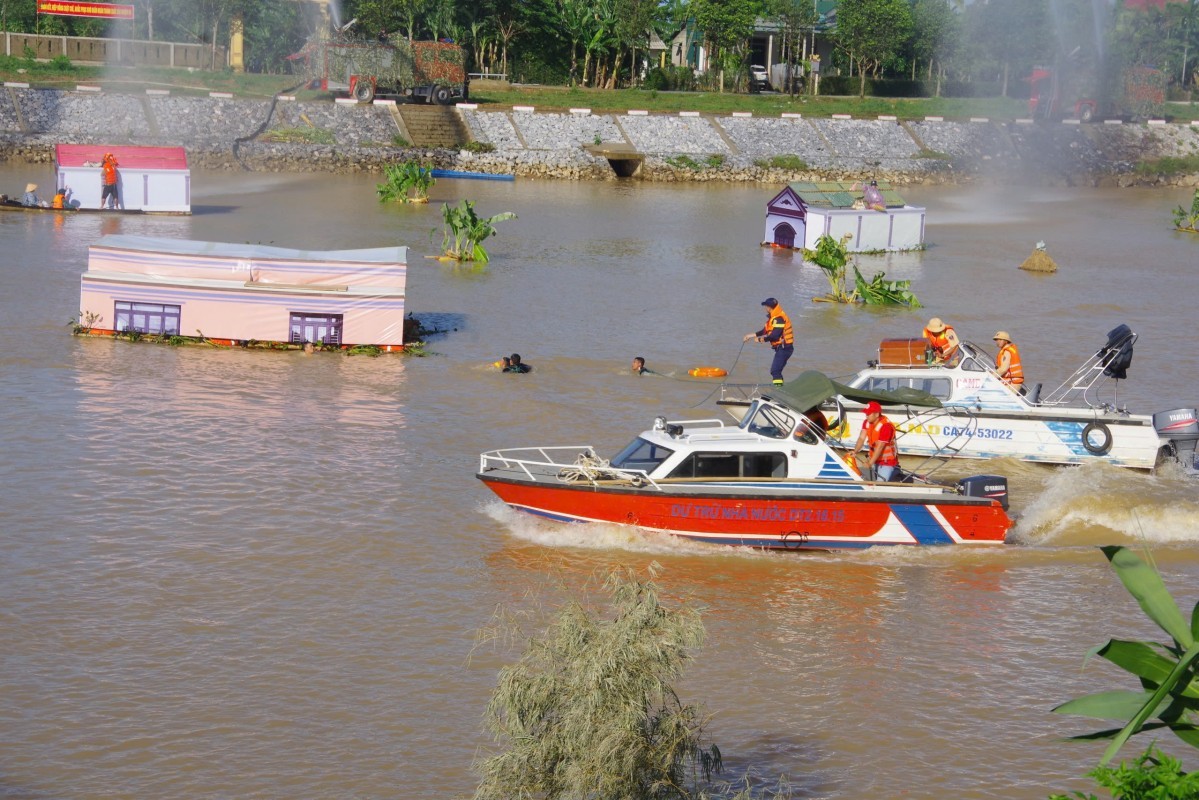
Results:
[779, 335]
[883, 456]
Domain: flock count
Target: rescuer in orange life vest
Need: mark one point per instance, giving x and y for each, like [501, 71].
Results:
[1007, 362]
[779, 335]
[943, 340]
[109, 181]
[883, 458]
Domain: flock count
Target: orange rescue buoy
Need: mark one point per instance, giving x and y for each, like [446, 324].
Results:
[707, 372]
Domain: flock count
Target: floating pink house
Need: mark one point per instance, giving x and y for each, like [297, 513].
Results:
[237, 293]
[804, 211]
[155, 180]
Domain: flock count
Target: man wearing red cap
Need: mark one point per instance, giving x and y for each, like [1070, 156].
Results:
[779, 335]
[880, 433]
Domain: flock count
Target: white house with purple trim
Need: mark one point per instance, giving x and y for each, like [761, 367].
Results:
[804, 211]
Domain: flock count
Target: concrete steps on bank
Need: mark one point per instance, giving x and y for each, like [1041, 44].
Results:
[433, 126]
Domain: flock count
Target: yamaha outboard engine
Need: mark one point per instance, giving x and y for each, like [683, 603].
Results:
[1181, 427]
[991, 486]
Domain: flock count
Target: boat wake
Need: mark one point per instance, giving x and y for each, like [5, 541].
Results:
[1098, 504]
[605, 536]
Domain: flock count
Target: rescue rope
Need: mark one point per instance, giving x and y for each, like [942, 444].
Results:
[588, 466]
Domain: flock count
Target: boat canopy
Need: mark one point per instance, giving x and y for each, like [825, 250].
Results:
[812, 388]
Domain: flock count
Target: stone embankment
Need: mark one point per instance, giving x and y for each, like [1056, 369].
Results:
[221, 132]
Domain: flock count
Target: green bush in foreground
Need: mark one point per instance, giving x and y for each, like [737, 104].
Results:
[1153, 776]
[590, 710]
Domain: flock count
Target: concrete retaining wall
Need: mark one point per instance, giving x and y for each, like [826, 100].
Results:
[672, 147]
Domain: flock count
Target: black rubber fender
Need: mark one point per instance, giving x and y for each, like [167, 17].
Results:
[1104, 445]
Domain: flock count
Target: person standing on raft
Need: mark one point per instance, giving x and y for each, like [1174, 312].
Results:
[779, 335]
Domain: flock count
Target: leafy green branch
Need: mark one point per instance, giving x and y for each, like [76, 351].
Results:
[465, 231]
[832, 256]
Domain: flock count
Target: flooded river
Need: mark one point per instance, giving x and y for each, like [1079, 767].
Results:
[250, 574]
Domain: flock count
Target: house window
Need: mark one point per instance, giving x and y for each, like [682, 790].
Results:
[147, 318]
[315, 328]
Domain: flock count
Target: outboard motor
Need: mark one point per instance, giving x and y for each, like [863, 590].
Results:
[991, 486]
[1181, 427]
[1116, 355]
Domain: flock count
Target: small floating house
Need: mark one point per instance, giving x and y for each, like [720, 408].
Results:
[237, 293]
[154, 180]
[804, 211]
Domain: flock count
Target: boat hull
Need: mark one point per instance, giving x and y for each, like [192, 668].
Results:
[769, 517]
[1043, 437]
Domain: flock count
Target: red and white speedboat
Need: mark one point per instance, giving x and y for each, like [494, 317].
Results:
[773, 481]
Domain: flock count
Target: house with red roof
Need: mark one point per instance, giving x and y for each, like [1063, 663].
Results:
[154, 180]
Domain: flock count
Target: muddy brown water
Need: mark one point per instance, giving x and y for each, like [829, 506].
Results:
[247, 574]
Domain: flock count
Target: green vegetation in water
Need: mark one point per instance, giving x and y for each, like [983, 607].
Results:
[591, 710]
[832, 256]
[465, 231]
[300, 136]
[1188, 220]
[407, 182]
[788, 162]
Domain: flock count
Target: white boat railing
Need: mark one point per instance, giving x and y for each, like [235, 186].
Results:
[919, 425]
[1079, 385]
[541, 466]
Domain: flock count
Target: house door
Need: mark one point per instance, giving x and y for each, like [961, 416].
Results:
[784, 235]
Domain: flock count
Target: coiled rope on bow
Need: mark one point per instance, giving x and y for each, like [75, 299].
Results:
[588, 466]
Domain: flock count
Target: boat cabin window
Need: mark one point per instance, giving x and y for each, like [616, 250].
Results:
[940, 388]
[732, 465]
[972, 365]
[770, 421]
[642, 454]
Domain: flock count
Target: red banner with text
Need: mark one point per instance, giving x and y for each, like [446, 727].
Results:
[79, 8]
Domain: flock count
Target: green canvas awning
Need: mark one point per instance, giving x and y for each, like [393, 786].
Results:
[812, 388]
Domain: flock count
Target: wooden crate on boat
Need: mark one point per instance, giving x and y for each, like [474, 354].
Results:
[902, 352]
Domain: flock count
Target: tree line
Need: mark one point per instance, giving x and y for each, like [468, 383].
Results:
[992, 44]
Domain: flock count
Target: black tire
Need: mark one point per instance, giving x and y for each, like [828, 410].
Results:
[1097, 438]
[364, 91]
[440, 95]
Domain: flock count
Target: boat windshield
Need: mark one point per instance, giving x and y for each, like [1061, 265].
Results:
[769, 420]
[642, 454]
[941, 388]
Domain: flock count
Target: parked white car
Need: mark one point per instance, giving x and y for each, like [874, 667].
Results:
[759, 78]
